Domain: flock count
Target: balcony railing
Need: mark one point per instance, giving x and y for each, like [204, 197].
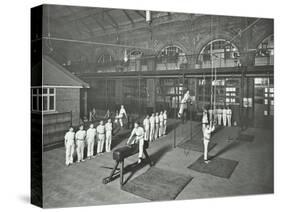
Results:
[153, 63]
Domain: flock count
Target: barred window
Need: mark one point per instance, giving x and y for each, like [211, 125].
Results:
[171, 51]
[105, 58]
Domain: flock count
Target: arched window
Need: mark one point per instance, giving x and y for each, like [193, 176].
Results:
[266, 47]
[225, 54]
[105, 59]
[172, 56]
[134, 63]
[265, 52]
[171, 51]
[135, 54]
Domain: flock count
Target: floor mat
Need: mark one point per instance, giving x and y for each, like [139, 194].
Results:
[157, 184]
[196, 145]
[219, 167]
[245, 137]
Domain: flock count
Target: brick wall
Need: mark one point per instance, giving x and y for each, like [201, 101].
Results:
[68, 99]
[190, 34]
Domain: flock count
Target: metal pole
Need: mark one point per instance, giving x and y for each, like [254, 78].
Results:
[106, 94]
[175, 113]
[71, 117]
[139, 94]
[175, 138]
[190, 122]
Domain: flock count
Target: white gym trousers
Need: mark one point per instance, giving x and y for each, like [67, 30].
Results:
[69, 150]
[80, 150]
[108, 138]
[101, 139]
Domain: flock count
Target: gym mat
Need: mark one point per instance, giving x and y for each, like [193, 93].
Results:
[219, 167]
[245, 137]
[196, 145]
[157, 184]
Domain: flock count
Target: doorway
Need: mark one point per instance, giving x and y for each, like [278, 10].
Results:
[263, 102]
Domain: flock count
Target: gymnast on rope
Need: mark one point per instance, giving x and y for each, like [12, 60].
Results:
[184, 101]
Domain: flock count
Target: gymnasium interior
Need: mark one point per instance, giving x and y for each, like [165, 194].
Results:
[102, 58]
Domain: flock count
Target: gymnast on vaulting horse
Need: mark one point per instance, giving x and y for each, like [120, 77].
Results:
[136, 145]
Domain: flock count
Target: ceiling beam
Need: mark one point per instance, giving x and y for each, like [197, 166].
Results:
[140, 13]
[81, 14]
[129, 17]
[81, 21]
[99, 24]
[113, 22]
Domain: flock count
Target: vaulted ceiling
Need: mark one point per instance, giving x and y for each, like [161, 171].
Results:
[95, 25]
[88, 22]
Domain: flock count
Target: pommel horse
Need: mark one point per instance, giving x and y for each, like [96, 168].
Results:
[119, 155]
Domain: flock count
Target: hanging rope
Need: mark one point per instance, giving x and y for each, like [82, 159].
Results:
[48, 41]
[95, 43]
[212, 64]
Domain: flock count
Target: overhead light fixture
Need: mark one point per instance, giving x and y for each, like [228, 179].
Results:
[125, 56]
[148, 16]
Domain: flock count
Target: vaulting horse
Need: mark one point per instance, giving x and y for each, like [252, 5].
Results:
[119, 155]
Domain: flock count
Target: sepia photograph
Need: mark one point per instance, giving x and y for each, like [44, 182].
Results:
[132, 106]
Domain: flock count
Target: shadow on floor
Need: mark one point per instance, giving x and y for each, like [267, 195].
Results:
[155, 157]
[226, 148]
[171, 127]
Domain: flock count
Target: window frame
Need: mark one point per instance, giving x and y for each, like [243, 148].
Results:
[171, 51]
[224, 48]
[103, 59]
[37, 96]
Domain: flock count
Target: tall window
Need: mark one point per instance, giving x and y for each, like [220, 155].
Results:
[221, 49]
[266, 47]
[43, 99]
[105, 59]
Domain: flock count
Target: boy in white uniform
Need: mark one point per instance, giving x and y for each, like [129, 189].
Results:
[211, 113]
[138, 131]
[184, 100]
[69, 146]
[205, 120]
[207, 137]
[156, 134]
[122, 114]
[90, 137]
[219, 112]
[161, 123]
[92, 115]
[146, 125]
[165, 117]
[152, 127]
[80, 143]
[224, 117]
[107, 114]
[101, 138]
[108, 135]
[228, 115]
[116, 117]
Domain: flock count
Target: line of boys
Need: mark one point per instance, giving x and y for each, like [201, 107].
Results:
[221, 115]
[102, 134]
[155, 126]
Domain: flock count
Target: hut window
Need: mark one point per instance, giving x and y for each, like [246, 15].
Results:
[43, 99]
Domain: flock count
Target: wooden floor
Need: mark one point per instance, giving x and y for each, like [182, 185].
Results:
[81, 184]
